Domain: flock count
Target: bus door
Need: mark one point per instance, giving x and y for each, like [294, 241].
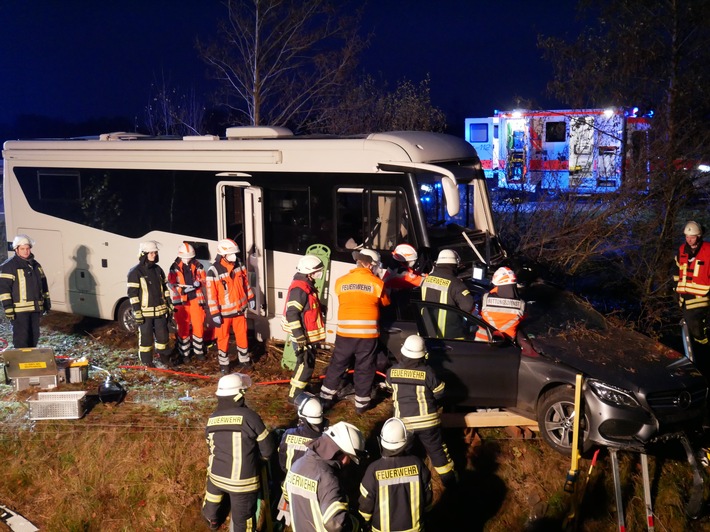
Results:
[240, 211]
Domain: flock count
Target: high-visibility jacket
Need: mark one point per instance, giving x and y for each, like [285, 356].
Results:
[394, 493]
[23, 286]
[147, 289]
[402, 278]
[228, 290]
[416, 391]
[360, 294]
[182, 278]
[317, 501]
[237, 439]
[303, 316]
[693, 277]
[503, 313]
[293, 444]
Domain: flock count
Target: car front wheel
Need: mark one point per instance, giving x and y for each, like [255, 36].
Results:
[555, 417]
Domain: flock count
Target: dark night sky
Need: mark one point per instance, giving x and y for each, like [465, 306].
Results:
[76, 60]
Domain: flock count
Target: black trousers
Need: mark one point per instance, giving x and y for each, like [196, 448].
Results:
[153, 328]
[217, 505]
[363, 352]
[302, 373]
[433, 443]
[25, 329]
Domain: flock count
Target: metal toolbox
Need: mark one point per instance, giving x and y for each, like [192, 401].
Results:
[30, 367]
[57, 405]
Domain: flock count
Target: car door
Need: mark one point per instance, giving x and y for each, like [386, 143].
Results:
[476, 373]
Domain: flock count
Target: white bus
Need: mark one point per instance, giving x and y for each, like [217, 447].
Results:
[88, 202]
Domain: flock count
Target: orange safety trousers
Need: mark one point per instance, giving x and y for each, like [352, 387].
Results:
[239, 325]
[190, 313]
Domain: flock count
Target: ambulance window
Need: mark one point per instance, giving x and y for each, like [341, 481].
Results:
[555, 131]
[478, 132]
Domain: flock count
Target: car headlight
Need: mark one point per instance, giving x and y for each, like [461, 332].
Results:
[613, 395]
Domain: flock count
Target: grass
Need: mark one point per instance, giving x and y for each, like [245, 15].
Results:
[140, 465]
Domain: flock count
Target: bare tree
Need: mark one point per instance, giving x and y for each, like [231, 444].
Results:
[283, 61]
[370, 106]
[171, 112]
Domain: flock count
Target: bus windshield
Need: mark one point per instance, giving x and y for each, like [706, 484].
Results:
[431, 195]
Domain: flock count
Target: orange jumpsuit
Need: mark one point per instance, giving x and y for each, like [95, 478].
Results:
[186, 281]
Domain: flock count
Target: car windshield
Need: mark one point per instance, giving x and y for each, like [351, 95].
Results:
[551, 311]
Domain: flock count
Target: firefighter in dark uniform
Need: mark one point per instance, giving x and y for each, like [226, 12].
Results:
[293, 442]
[237, 440]
[317, 500]
[303, 319]
[693, 284]
[396, 489]
[150, 297]
[443, 286]
[24, 293]
[416, 391]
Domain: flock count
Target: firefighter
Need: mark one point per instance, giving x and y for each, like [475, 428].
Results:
[443, 286]
[401, 275]
[228, 296]
[416, 392]
[396, 489]
[314, 485]
[186, 279]
[24, 293]
[293, 442]
[303, 319]
[360, 294]
[693, 282]
[501, 306]
[152, 306]
[237, 440]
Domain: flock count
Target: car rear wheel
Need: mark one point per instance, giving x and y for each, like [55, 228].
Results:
[125, 317]
[555, 417]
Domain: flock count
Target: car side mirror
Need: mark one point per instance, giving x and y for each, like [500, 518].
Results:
[498, 338]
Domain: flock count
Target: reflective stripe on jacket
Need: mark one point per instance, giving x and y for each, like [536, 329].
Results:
[502, 313]
[237, 439]
[443, 286]
[302, 313]
[147, 289]
[416, 391]
[181, 281]
[293, 445]
[23, 285]
[693, 277]
[228, 290]
[395, 492]
[360, 293]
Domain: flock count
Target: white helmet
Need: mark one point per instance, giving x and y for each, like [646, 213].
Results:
[227, 247]
[413, 347]
[405, 253]
[368, 255]
[149, 246]
[349, 438]
[448, 256]
[503, 276]
[22, 240]
[693, 229]
[394, 435]
[234, 384]
[311, 410]
[309, 264]
[186, 251]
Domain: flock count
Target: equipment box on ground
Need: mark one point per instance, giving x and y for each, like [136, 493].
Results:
[57, 405]
[30, 367]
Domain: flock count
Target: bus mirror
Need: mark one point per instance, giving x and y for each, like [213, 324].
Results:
[451, 193]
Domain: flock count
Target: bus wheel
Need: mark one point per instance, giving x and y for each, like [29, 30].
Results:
[125, 318]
